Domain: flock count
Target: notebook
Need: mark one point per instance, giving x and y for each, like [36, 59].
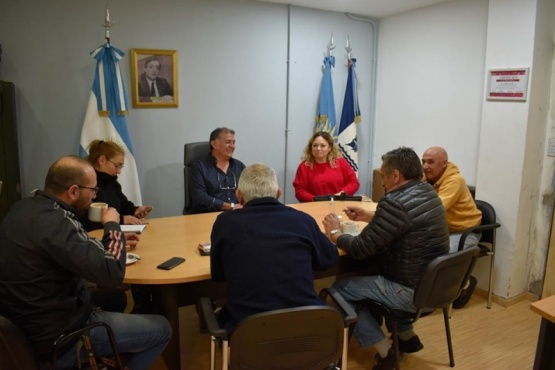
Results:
[132, 228]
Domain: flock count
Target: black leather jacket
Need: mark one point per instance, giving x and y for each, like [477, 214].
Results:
[45, 258]
[408, 230]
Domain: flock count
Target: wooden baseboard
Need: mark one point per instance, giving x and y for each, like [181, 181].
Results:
[507, 302]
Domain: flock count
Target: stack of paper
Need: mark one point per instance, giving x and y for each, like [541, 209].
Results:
[132, 228]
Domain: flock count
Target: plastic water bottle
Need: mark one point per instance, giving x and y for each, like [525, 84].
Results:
[333, 209]
[332, 206]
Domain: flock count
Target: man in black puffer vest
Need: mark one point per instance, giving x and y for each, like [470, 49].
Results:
[407, 231]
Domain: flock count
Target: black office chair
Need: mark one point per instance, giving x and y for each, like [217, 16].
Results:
[439, 286]
[15, 353]
[311, 337]
[191, 152]
[488, 228]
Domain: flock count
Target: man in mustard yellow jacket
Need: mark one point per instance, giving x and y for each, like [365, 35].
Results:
[460, 208]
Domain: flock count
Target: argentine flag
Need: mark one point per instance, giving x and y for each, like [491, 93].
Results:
[105, 116]
[350, 116]
[325, 118]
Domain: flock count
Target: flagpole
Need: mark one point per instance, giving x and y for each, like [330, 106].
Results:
[105, 116]
[348, 48]
[330, 46]
[325, 116]
[347, 141]
[107, 24]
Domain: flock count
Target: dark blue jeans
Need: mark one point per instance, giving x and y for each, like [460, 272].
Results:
[367, 329]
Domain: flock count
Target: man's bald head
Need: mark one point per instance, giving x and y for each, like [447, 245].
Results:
[434, 163]
[65, 172]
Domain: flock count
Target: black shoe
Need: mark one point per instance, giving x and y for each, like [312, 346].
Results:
[410, 346]
[385, 363]
[466, 293]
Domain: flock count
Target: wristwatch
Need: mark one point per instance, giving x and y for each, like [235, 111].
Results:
[232, 205]
[334, 231]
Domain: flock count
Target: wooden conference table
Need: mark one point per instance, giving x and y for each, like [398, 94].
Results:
[179, 236]
[545, 349]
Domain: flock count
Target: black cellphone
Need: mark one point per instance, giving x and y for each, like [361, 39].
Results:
[171, 263]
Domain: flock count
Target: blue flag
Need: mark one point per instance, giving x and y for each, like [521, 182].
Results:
[350, 116]
[325, 118]
[105, 116]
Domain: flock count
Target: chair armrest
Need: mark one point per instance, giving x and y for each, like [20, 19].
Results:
[61, 344]
[475, 229]
[356, 198]
[349, 314]
[323, 198]
[343, 196]
[208, 317]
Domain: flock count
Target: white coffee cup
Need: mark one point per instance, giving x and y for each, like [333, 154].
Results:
[95, 211]
[349, 227]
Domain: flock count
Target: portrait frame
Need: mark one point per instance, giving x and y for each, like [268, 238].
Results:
[509, 84]
[165, 61]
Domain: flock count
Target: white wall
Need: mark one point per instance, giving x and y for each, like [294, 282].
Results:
[432, 72]
[544, 109]
[232, 68]
[430, 81]
[501, 165]
[308, 26]
[510, 172]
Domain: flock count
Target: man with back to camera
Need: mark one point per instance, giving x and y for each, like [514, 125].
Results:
[266, 251]
[214, 177]
[405, 247]
[151, 87]
[45, 259]
[460, 208]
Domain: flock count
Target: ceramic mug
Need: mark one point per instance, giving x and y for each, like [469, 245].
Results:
[349, 227]
[95, 211]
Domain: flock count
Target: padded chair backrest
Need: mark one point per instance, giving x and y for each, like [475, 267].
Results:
[444, 278]
[488, 217]
[322, 198]
[191, 152]
[308, 338]
[15, 353]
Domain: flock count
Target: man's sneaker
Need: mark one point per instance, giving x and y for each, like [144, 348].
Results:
[466, 293]
[385, 363]
[410, 346]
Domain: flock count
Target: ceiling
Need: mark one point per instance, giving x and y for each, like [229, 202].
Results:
[369, 8]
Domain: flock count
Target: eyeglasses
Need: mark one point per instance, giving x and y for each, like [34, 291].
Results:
[118, 166]
[323, 146]
[227, 187]
[93, 189]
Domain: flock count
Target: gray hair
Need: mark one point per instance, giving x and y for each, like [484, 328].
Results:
[405, 160]
[258, 181]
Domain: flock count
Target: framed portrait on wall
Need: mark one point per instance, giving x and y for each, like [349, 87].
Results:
[154, 78]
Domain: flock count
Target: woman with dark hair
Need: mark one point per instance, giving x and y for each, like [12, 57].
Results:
[323, 171]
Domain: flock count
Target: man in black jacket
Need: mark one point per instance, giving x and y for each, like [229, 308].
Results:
[407, 231]
[45, 257]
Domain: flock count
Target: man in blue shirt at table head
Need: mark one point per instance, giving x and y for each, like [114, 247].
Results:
[266, 251]
[214, 177]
